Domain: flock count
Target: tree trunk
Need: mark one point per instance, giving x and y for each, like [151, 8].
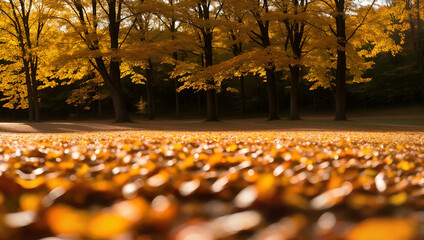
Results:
[150, 94]
[237, 50]
[270, 71]
[113, 84]
[211, 92]
[211, 105]
[99, 103]
[294, 92]
[177, 100]
[35, 91]
[121, 114]
[199, 103]
[420, 43]
[412, 28]
[341, 86]
[99, 109]
[295, 36]
[35, 102]
[272, 94]
[340, 100]
[111, 78]
[243, 97]
[30, 98]
[177, 94]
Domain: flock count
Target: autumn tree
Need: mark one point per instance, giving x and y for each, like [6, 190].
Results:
[142, 24]
[234, 39]
[293, 14]
[156, 41]
[413, 9]
[263, 60]
[396, 17]
[339, 10]
[169, 18]
[25, 29]
[202, 16]
[86, 84]
[420, 38]
[259, 13]
[89, 20]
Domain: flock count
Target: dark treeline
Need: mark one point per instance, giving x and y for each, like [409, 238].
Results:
[394, 85]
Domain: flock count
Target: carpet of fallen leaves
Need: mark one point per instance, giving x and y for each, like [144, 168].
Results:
[219, 185]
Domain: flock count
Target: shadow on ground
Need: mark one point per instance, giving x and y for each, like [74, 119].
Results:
[407, 123]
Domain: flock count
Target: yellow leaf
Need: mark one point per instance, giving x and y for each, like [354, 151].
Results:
[384, 228]
[107, 225]
[66, 220]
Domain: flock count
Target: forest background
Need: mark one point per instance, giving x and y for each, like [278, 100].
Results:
[91, 59]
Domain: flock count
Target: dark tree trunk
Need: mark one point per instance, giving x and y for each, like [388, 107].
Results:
[199, 103]
[30, 98]
[177, 100]
[30, 67]
[218, 98]
[265, 41]
[294, 92]
[177, 94]
[296, 32]
[341, 62]
[243, 97]
[113, 84]
[211, 92]
[99, 103]
[35, 101]
[111, 78]
[341, 86]
[173, 29]
[417, 37]
[412, 28]
[35, 90]
[150, 94]
[211, 105]
[420, 43]
[272, 94]
[121, 114]
[237, 50]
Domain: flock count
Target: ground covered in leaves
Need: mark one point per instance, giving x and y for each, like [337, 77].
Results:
[212, 185]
